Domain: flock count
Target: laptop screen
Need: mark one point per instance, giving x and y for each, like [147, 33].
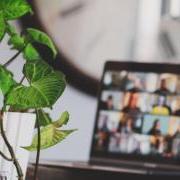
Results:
[139, 114]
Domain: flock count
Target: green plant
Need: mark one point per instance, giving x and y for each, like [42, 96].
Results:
[45, 85]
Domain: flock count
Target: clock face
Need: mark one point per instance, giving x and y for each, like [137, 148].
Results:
[89, 32]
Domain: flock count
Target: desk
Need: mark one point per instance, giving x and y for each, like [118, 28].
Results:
[81, 171]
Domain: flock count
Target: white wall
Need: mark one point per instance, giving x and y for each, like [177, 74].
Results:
[146, 43]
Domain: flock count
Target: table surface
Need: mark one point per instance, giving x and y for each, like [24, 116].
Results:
[66, 170]
[90, 167]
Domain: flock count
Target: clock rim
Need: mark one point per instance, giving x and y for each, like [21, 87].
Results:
[75, 77]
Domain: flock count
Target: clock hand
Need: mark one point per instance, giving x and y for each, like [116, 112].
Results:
[72, 10]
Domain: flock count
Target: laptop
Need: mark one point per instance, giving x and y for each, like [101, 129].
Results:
[137, 127]
[138, 117]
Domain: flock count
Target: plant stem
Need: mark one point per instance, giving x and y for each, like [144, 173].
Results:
[22, 80]
[12, 58]
[11, 151]
[5, 157]
[38, 147]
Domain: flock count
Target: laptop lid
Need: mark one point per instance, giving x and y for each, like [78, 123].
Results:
[138, 114]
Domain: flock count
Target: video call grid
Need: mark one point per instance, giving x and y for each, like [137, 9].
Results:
[161, 91]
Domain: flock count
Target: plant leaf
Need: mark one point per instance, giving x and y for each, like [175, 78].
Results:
[63, 120]
[42, 38]
[17, 42]
[22, 42]
[41, 93]
[50, 136]
[11, 30]
[6, 80]
[43, 117]
[37, 70]
[2, 26]
[46, 86]
[13, 9]
[31, 54]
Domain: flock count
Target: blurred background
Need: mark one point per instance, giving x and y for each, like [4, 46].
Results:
[89, 32]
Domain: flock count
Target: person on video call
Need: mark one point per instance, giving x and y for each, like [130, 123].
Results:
[177, 108]
[157, 143]
[161, 108]
[108, 104]
[176, 142]
[137, 86]
[155, 130]
[134, 83]
[126, 125]
[177, 112]
[177, 133]
[163, 88]
[132, 107]
[168, 145]
[172, 139]
[103, 134]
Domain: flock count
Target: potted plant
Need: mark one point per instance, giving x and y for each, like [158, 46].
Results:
[40, 87]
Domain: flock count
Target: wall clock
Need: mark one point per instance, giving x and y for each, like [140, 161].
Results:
[86, 33]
